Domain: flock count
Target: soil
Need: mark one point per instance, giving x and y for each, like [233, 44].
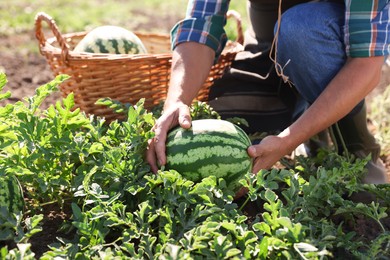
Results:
[26, 69]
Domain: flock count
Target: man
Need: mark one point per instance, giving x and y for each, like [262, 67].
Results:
[331, 51]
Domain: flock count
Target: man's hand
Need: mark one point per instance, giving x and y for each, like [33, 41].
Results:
[176, 114]
[265, 155]
[191, 63]
[267, 152]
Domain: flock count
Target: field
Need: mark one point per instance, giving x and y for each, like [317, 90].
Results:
[89, 194]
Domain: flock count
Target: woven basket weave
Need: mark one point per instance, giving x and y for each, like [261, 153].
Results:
[123, 77]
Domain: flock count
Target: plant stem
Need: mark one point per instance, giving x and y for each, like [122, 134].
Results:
[244, 204]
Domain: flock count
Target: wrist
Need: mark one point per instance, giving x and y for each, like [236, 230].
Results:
[290, 140]
[169, 104]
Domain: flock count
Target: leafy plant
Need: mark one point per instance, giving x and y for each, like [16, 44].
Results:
[119, 209]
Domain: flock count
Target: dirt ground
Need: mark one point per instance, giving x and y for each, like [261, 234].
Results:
[26, 69]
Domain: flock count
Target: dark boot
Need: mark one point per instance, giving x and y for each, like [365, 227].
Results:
[360, 142]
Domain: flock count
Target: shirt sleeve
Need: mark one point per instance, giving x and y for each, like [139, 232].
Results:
[367, 28]
[204, 23]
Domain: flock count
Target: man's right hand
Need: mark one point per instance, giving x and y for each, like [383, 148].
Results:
[176, 114]
[191, 64]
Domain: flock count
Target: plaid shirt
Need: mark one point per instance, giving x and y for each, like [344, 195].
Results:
[367, 26]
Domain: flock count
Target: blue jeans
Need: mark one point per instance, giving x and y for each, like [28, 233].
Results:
[311, 51]
[311, 41]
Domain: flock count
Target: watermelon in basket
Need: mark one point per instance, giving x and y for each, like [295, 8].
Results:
[111, 39]
[127, 77]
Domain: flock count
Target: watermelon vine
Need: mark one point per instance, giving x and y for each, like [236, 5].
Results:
[115, 207]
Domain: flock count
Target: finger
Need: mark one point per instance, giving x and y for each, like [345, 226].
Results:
[254, 151]
[256, 165]
[159, 144]
[184, 117]
[264, 162]
[151, 156]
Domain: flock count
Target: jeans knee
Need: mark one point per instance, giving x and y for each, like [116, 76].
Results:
[311, 21]
[291, 26]
[310, 46]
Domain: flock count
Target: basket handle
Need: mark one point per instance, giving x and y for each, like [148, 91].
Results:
[236, 16]
[41, 16]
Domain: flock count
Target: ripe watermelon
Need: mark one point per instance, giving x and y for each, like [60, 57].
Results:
[111, 39]
[11, 195]
[209, 147]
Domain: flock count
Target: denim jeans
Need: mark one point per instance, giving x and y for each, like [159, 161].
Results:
[311, 51]
[311, 48]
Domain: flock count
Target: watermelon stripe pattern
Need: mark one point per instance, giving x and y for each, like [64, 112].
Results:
[11, 194]
[111, 39]
[210, 147]
[218, 137]
[119, 46]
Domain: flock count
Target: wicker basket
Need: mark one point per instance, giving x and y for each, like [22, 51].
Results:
[126, 78]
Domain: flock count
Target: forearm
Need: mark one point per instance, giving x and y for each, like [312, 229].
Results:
[191, 64]
[356, 79]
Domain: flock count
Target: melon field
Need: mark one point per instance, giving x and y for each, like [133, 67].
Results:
[75, 186]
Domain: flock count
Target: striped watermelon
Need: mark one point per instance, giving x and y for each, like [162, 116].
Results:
[11, 195]
[111, 39]
[209, 147]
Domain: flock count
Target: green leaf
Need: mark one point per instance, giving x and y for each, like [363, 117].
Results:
[115, 105]
[229, 226]
[285, 222]
[45, 90]
[305, 247]
[96, 148]
[6, 111]
[3, 80]
[232, 252]
[263, 248]
[69, 101]
[76, 211]
[262, 227]
[5, 95]
[132, 115]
